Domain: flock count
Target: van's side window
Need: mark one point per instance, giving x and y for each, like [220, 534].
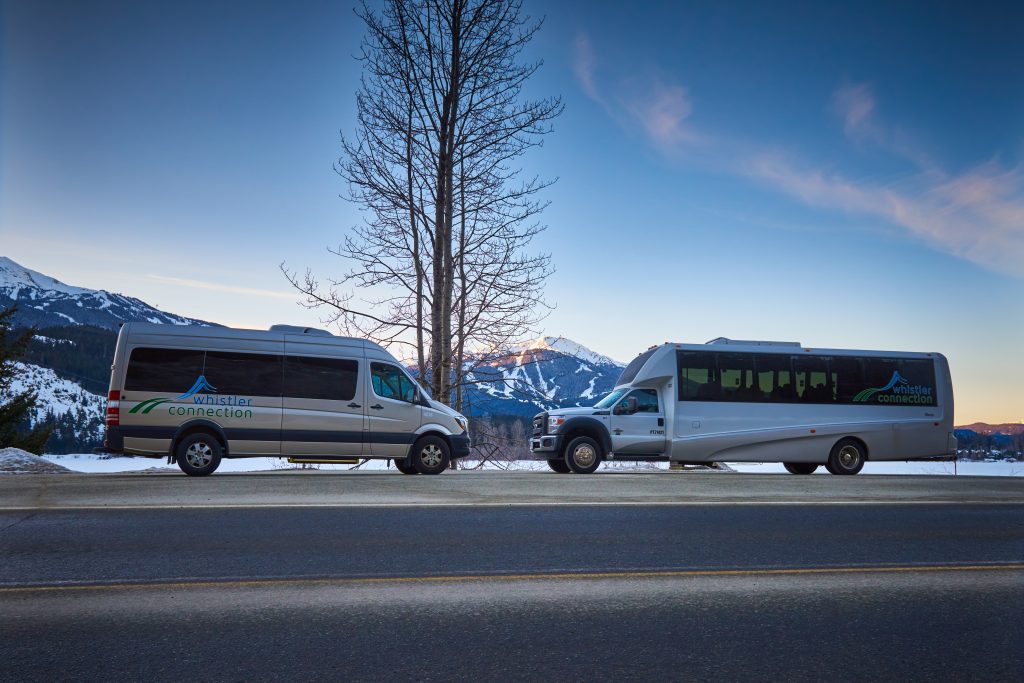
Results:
[164, 370]
[390, 382]
[245, 374]
[327, 379]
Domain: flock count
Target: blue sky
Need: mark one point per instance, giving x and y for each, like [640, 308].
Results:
[838, 176]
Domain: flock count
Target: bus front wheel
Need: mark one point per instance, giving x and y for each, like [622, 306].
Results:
[583, 455]
[846, 457]
[558, 466]
[800, 467]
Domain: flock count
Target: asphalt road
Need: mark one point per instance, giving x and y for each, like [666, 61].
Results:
[622, 590]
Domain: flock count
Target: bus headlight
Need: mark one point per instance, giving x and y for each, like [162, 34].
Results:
[554, 422]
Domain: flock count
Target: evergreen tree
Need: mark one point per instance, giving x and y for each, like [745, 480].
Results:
[15, 409]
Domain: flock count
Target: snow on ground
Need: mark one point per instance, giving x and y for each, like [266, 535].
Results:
[15, 460]
[94, 463]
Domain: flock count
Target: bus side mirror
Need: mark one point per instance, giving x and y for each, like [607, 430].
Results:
[627, 407]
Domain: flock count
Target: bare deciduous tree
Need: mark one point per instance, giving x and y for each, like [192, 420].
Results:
[441, 260]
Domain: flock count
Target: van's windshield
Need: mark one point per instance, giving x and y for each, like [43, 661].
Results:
[609, 400]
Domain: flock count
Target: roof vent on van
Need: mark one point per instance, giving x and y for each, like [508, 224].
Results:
[295, 329]
[749, 342]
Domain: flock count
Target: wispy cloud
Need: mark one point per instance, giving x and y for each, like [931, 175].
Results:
[218, 287]
[855, 105]
[650, 103]
[977, 215]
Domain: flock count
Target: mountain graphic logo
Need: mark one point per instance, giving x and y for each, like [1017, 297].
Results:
[897, 378]
[200, 385]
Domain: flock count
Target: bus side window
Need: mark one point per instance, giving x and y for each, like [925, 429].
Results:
[696, 376]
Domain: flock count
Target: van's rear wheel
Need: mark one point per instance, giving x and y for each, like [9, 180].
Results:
[405, 469]
[558, 466]
[847, 457]
[800, 467]
[431, 455]
[583, 455]
[199, 455]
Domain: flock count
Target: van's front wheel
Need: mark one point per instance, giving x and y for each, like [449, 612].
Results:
[199, 455]
[431, 455]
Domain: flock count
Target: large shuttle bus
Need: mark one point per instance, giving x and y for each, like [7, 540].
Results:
[758, 401]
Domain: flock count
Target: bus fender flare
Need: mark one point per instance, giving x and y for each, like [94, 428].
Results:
[585, 426]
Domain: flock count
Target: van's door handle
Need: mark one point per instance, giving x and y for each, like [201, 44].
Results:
[378, 407]
[354, 405]
[616, 432]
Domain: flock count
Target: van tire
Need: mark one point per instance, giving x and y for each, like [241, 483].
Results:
[431, 455]
[800, 467]
[558, 466]
[583, 455]
[199, 454]
[405, 469]
[846, 457]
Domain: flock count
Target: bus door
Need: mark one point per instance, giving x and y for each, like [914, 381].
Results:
[637, 423]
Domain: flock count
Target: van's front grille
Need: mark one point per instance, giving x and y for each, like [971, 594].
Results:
[540, 423]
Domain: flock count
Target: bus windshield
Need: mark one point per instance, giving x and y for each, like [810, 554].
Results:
[609, 400]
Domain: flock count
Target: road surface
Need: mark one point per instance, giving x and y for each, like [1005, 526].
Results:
[483, 577]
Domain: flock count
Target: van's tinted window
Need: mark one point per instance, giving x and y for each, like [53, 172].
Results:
[164, 370]
[390, 382]
[246, 374]
[331, 379]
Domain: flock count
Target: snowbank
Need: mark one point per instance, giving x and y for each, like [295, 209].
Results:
[17, 461]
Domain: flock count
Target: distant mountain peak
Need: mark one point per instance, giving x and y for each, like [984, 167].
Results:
[567, 347]
[13, 276]
[45, 301]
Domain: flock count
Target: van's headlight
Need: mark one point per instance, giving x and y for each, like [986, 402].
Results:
[461, 421]
[554, 422]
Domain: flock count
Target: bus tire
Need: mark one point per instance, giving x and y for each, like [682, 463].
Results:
[431, 455]
[199, 454]
[558, 466]
[800, 467]
[405, 469]
[583, 455]
[846, 457]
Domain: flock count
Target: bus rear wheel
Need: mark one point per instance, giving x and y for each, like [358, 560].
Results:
[846, 457]
[199, 454]
[800, 467]
[558, 466]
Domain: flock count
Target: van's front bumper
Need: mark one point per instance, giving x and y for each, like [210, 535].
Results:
[460, 445]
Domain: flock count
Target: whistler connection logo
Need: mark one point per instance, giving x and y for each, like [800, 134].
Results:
[898, 390]
[203, 404]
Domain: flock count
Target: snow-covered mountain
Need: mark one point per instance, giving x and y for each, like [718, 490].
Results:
[77, 414]
[549, 372]
[45, 302]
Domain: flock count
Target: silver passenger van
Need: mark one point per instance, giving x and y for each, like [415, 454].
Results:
[199, 394]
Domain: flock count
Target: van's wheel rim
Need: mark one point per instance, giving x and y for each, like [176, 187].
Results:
[431, 456]
[584, 455]
[199, 454]
[849, 456]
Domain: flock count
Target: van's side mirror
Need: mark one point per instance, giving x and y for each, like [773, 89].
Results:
[626, 407]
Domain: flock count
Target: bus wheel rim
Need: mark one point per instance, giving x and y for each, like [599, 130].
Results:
[584, 455]
[849, 456]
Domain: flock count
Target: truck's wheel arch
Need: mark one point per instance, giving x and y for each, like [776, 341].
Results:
[193, 426]
[585, 426]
